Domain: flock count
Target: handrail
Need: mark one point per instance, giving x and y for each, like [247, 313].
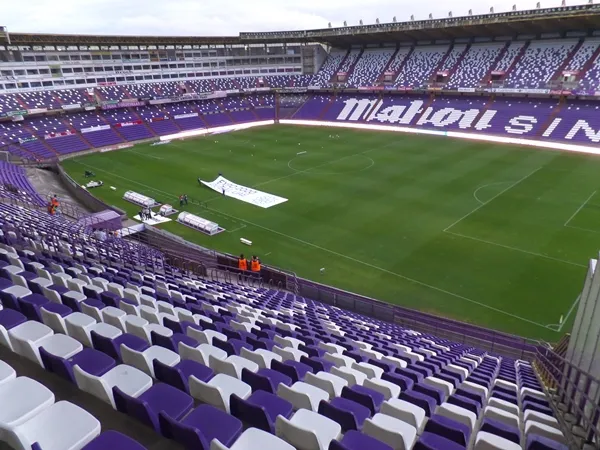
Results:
[573, 392]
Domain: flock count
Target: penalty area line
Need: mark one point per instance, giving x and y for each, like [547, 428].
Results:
[580, 208]
[491, 199]
[241, 227]
[487, 185]
[571, 309]
[143, 154]
[516, 249]
[341, 255]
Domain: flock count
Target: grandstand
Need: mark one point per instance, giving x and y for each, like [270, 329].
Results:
[130, 336]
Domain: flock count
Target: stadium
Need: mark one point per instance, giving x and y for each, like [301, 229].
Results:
[418, 207]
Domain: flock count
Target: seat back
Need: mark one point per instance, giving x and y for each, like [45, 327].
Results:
[171, 324]
[128, 307]
[4, 339]
[91, 310]
[296, 436]
[31, 310]
[189, 437]
[488, 441]
[298, 400]
[287, 369]
[257, 343]
[207, 393]
[257, 382]
[104, 344]
[9, 301]
[93, 385]
[222, 366]
[57, 365]
[188, 352]
[285, 353]
[389, 437]
[345, 418]
[253, 415]
[135, 408]
[133, 357]
[53, 320]
[321, 383]
[163, 341]
[225, 346]
[136, 325]
[170, 375]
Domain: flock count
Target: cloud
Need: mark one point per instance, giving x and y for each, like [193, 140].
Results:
[222, 17]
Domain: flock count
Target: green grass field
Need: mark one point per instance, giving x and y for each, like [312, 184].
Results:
[490, 234]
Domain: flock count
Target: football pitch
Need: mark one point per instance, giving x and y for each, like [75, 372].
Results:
[495, 235]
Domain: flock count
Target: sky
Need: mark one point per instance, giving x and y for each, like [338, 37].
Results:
[227, 17]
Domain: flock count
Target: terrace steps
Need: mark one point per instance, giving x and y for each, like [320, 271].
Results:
[552, 116]
[487, 106]
[341, 64]
[144, 122]
[40, 138]
[115, 129]
[300, 107]
[441, 63]
[569, 57]
[486, 79]
[517, 58]
[353, 65]
[458, 62]
[588, 65]
[401, 66]
[326, 107]
[385, 69]
[375, 106]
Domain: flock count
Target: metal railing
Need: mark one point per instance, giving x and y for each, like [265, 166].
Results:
[575, 396]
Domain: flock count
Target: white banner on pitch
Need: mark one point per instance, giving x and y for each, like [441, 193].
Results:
[243, 193]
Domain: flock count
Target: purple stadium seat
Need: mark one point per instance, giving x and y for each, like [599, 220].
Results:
[113, 440]
[348, 413]
[200, 427]
[354, 440]
[430, 441]
[260, 410]
[160, 398]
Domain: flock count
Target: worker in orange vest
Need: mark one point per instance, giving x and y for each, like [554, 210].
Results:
[255, 264]
[242, 263]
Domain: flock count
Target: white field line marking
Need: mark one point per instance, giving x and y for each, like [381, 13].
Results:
[579, 209]
[241, 227]
[571, 309]
[341, 255]
[371, 164]
[494, 197]
[486, 185]
[267, 254]
[582, 229]
[143, 154]
[539, 255]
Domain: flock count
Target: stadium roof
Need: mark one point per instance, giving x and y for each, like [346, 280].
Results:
[538, 21]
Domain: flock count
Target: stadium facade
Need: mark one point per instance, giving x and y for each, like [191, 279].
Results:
[530, 76]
